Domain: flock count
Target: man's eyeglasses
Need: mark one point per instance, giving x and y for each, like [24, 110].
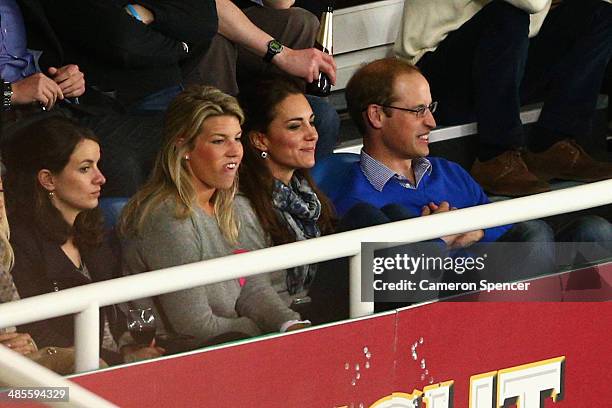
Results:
[420, 111]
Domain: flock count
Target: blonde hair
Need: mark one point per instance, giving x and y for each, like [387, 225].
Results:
[171, 176]
[7, 256]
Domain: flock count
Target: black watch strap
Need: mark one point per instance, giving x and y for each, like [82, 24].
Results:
[7, 94]
[274, 47]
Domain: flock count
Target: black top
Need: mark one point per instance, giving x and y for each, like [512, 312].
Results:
[116, 52]
[42, 267]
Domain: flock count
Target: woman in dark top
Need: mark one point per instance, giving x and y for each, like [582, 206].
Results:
[52, 188]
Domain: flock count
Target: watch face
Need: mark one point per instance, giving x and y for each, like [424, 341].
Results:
[275, 46]
[7, 89]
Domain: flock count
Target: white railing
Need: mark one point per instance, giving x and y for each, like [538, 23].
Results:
[84, 301]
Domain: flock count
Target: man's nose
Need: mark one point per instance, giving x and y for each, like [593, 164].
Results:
[429, 121]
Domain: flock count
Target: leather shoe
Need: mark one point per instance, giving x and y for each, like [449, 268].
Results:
[507, 175]
[566, 160]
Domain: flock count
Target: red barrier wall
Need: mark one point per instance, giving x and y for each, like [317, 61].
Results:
[359, 362]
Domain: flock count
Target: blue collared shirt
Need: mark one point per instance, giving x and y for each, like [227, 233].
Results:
[16, 62]
[378, 174]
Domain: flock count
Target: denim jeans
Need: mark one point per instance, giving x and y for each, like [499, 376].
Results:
[327, 123]
[587, 239]
[588, 228]
[516, 262]
[496, 68]
[584, 239]
[157, 102]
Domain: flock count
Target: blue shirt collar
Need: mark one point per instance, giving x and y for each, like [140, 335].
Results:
[379, 175]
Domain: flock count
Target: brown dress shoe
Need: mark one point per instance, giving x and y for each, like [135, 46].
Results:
[567, 160]
[507, 175]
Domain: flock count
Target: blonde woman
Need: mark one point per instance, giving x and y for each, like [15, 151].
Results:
[188, 212]
[19, 342]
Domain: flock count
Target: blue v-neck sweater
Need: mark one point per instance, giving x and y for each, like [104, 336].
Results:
[447, 182]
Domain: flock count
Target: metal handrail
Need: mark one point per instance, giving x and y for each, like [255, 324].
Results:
[85, 300]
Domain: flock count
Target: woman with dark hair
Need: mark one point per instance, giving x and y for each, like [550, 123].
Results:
[58, 359]
[52, 189]
[278, 151]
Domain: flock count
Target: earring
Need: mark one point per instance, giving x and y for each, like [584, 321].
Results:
[264, 155]
[51, 195]
[186, 157]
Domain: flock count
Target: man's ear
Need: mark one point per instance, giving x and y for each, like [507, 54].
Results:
[46, 179]
[259, 140]
[374, 115]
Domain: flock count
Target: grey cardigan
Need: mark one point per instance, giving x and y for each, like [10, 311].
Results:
[8, 292]
[210, 310]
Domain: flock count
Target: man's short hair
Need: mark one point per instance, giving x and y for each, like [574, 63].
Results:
[373, 84]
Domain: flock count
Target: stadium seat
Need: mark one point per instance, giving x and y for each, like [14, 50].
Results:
[111, 209]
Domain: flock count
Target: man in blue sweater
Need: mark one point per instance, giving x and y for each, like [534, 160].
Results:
[390, 102]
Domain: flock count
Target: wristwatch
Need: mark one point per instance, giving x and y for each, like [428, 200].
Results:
[274, 47]
[7, 93]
